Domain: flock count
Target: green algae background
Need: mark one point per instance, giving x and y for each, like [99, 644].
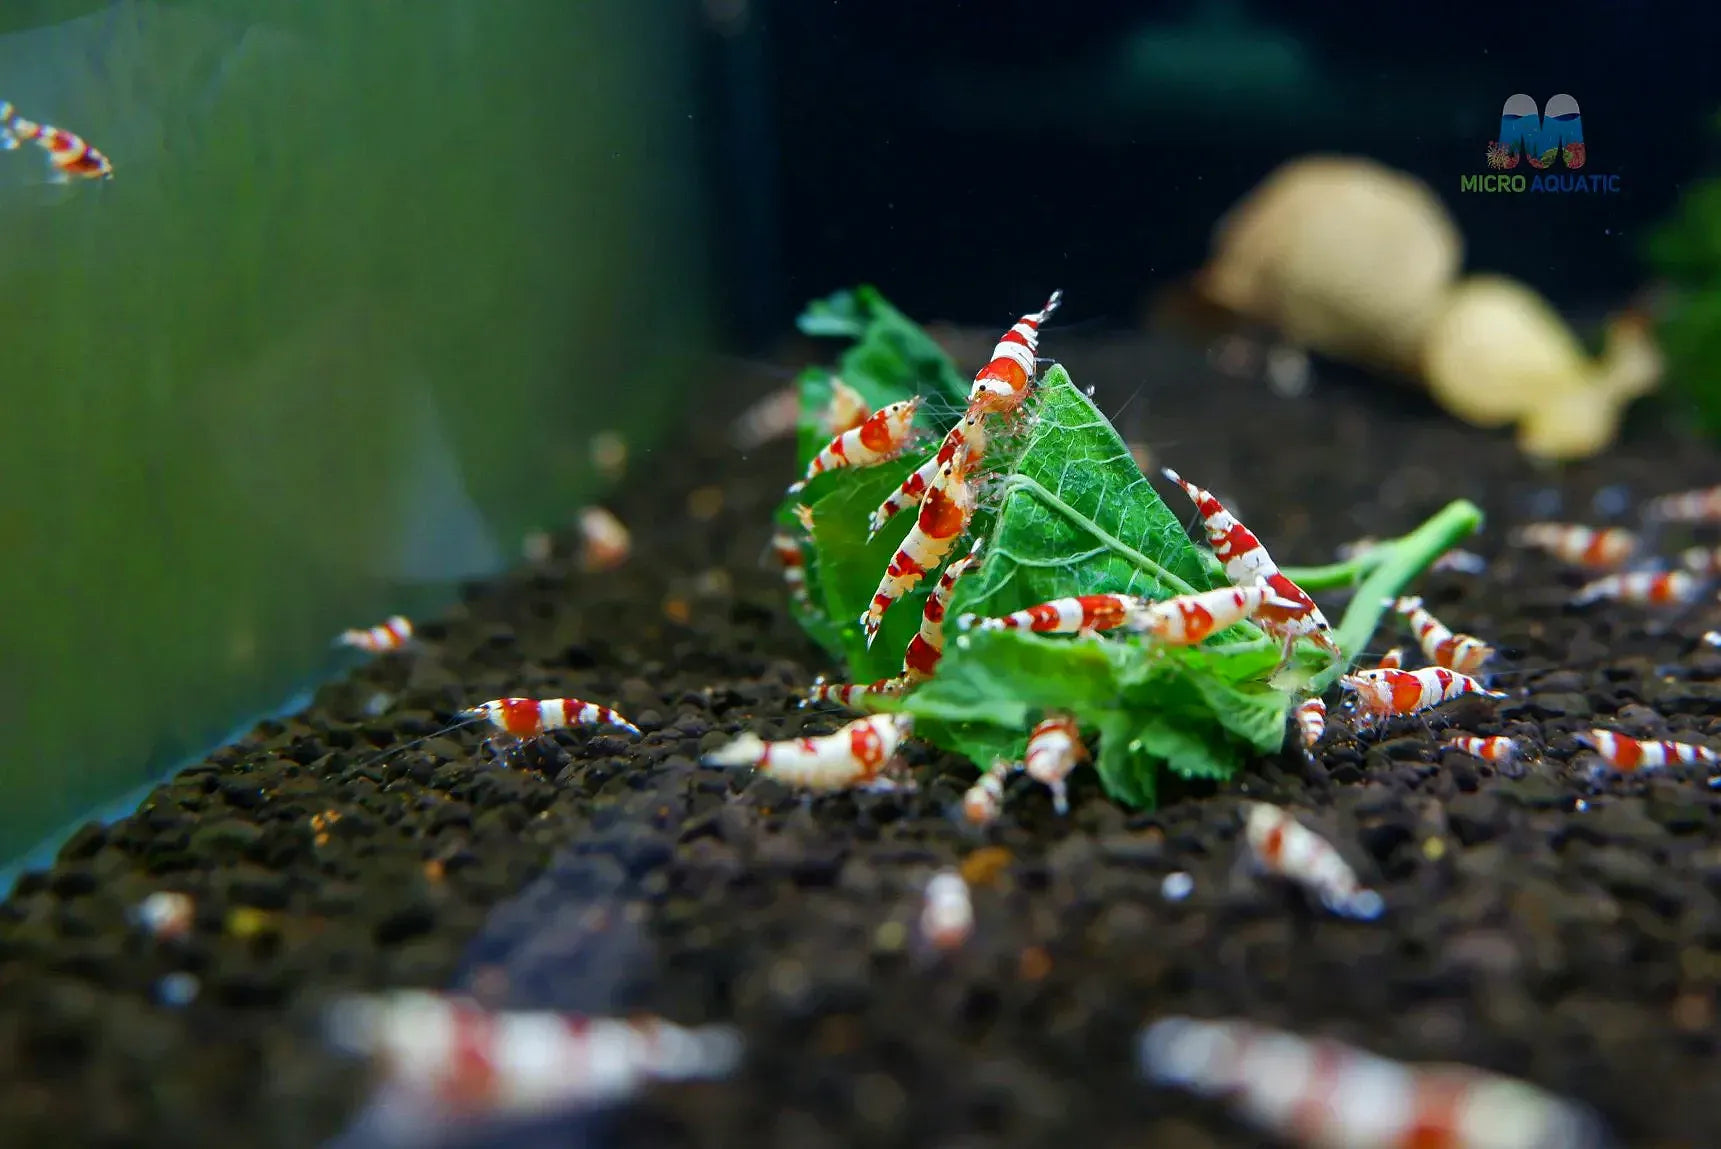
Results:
[367, 280]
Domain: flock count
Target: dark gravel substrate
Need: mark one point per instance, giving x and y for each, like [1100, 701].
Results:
[1578, 948]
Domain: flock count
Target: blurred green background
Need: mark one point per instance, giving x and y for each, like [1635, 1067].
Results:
[367, 280]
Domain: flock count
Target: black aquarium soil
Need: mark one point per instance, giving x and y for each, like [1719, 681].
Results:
[1577, 946]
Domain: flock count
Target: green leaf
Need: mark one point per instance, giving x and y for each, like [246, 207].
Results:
[890, 360]
[849, 566]
[1074, 516]
[1078, 517]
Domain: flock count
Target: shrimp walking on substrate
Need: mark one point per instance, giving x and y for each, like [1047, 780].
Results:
[854, 757]
[1325, 1095]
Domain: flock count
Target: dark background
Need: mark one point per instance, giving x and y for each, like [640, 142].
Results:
[965, 156]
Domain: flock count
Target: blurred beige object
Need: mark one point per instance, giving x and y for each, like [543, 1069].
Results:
[1351, 259]
[1343, 256]
[1499, 353]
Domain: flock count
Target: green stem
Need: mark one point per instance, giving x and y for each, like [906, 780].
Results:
[1400, 561]
[1335, 575]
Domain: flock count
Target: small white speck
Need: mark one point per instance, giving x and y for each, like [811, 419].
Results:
[1135, 746]
[1177, 886]
[1580, 805]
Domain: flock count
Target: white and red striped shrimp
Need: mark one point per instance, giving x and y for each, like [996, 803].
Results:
[854, 756]
[845, 411]
[854, 695]
[1054, 749]
[1699, 506]
[1461, 652]
[527, 718]
[446, 1057]
[604, 542]
[1190, 618]
[1578, 545]
[947, 918]
[967, 433]
[1247, 562]
[787, 548]
[1325, 1095]
[882, 437]
[1002, 385]
[944, 516]
[984, 800]
[1627, 755]
[1285, 848]
[1704, 562]
[1500, 750]
[1391, 660]
[1311, 716]
[1082, 614]
[70, 156]
[1641, 588]
[389, 636]
[926, 648]
[1383, 694]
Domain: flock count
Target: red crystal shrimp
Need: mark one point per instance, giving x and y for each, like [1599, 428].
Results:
[944, 515]
[925, 649]
[1500, 750]
[1081, 614]
[444, 1056]
[947, 918]
[1189, 619]
[381, 639]
[1391, 660]
[1461, 652]
[1324, 1094]
[1311, 718]
[1383, 694]
[968, 433]
[787, 549]
[1699, 506]
[1578, 545]
[1641, 588]
[70, 156]
[1002, 385]
[522, 719]
[999, 388]
[1054, 749]
[854, 695]
[1627, 755]
[854, 756]
[605, 543]
[1283, 847]
[984, 800]
[881, 438]
[1247, 562]
[845, 410]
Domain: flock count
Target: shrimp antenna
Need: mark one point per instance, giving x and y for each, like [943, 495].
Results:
[472, 716]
